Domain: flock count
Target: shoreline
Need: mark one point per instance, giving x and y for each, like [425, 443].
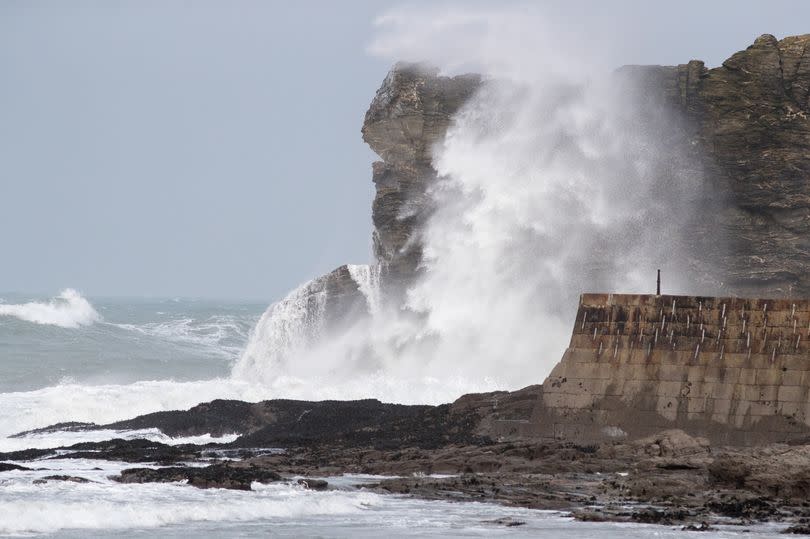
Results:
[436, 453]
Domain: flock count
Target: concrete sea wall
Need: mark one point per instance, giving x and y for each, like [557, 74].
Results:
[734, 370]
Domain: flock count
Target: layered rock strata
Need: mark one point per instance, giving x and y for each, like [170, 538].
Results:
[409, 115]
[749, 118]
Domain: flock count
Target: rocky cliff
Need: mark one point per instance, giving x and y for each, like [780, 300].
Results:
[749, 118]
[409, 115]
[747, 123]
[746, 120]
[735, 371]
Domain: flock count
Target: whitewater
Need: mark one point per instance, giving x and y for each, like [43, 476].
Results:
[543, 177]
[133, 343]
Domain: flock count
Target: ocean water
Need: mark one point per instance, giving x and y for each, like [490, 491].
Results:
[70, 358]
[68, 339]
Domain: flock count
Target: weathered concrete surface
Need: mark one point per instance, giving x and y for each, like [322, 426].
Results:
[736, 371]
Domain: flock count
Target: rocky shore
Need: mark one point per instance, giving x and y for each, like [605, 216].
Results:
[439, 452]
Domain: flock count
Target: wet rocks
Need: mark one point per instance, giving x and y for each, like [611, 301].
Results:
[507, 522]
[408, 116]
[217, 418]
[656, 516]
[776, 471]
[66, 478]
[235, 476]
[138, 450]
[798, 529]
[7, 467]
[703, 527]
[744, 506]
[313, 484]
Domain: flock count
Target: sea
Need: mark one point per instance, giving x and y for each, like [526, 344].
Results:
[73, 358]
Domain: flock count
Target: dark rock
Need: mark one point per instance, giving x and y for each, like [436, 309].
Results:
[361, 423]
[68, 478]
[508, 522]
[409, 115]
[749, 117]
[71, 426]
[217, 418]
[27, 454]
[590, 516]
[665, 517]
[313, 484]
[704, 527]
[799, 529]
[7, 467]
[229, 476]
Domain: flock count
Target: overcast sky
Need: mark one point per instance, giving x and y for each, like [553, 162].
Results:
[213, 149]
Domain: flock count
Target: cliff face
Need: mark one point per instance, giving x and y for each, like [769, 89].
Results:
[749, 118]
[409, 115]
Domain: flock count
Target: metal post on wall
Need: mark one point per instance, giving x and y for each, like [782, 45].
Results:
[658, 284]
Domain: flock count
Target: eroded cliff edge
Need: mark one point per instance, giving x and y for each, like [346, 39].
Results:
[409, 115]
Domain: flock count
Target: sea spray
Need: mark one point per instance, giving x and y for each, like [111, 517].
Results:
[67, 310]
[367, 278]
[286, 329]
[557, 177]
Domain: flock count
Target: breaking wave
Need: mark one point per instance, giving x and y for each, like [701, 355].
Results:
[67, 310]
[21, 411]
[284, 330]
[556, 178]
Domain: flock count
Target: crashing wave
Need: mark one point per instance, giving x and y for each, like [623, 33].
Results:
[67, 310]
[367, 277]
[286, 328]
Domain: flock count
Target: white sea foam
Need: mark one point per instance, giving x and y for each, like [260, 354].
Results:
[212, 333]
[68, 310]
[101, 505]
[101, 404]
[29, 508]
[367, 278]
[284, 330]
[96, 508]
[66, 438]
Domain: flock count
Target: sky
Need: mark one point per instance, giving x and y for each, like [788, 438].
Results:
[212, 148]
